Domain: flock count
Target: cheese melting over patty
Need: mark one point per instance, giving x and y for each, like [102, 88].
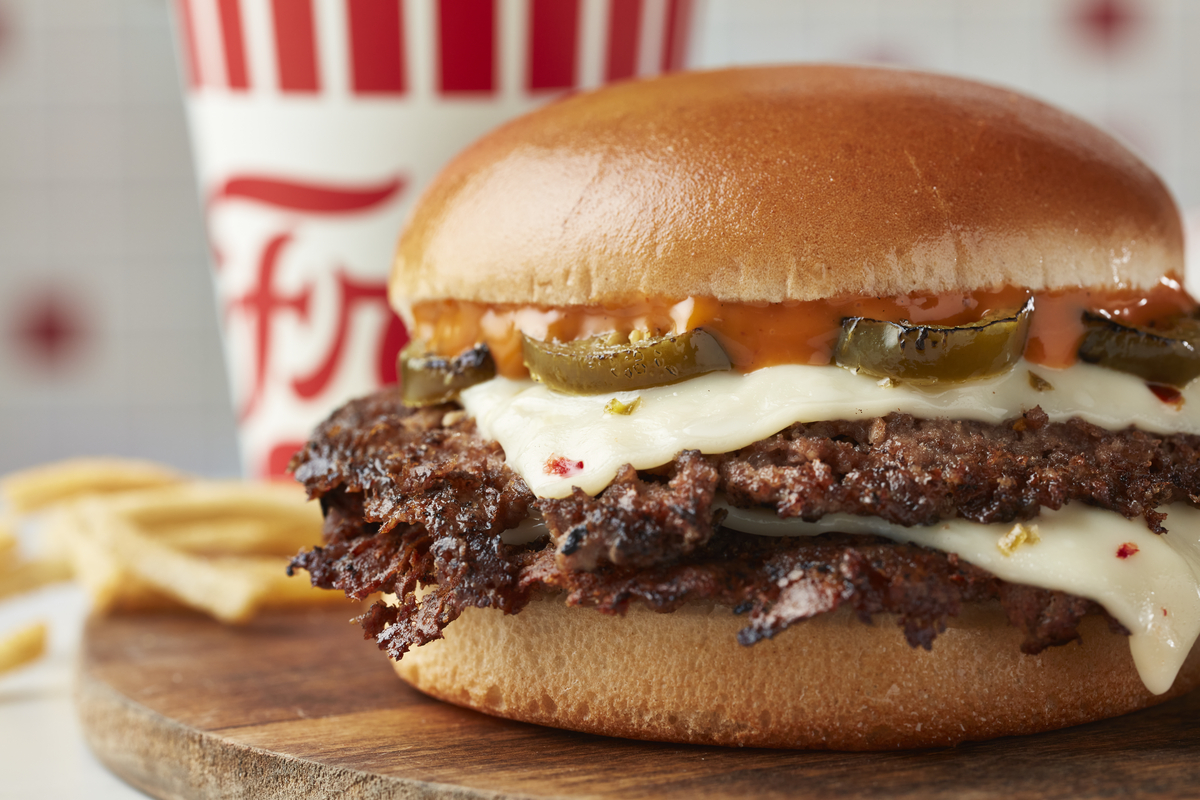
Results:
[726, 411]
[556, 441]
[1150, 583]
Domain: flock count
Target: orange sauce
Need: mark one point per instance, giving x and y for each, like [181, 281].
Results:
[1056, 329]
[764, 334]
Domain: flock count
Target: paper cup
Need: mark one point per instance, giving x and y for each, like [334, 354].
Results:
[316, 123]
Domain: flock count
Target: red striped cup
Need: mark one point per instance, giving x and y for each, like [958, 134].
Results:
[316, 123]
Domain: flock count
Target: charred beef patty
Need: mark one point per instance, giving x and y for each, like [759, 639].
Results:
[417, 497]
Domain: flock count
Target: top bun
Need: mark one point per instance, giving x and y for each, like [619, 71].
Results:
[786, 183]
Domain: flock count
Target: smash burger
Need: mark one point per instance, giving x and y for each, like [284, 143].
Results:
[792, 407]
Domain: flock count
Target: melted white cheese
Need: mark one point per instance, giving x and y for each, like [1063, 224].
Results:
[725, 411]
[1154, 592]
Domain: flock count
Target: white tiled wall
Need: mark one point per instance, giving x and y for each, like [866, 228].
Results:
[1147, 89]
[97, 201]
[98, 205]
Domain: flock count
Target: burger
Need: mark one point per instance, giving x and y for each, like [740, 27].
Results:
[806, 406]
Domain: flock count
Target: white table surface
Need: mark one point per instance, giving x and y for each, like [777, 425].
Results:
[42, 751]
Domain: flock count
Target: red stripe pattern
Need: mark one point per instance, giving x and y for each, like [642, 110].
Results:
[376, 46]
[234, 44]
[679, 24]
[183, 10]
[295, 45]
[553, 44]
[308, 197]
[624, 32]
[467, 46]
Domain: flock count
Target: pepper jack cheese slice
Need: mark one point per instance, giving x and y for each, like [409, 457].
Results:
[555, 441]
[1150, 583]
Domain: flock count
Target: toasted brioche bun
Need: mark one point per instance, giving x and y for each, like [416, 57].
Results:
[786, 183]
[831, 682]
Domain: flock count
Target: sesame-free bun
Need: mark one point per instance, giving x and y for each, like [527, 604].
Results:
[831, 682]
[786, 183]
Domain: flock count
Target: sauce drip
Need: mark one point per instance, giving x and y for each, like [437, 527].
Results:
[759, 335]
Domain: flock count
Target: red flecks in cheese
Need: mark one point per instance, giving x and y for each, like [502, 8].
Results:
[1168, 394]
[563, 467]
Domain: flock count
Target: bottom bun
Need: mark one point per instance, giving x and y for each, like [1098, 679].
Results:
[831, 682]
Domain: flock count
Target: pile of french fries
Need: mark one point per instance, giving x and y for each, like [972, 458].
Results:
[139, 536]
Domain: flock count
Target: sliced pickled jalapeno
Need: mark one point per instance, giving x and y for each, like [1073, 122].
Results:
[602, 364]
[1169, 355]
[430, 379]
[930, 353]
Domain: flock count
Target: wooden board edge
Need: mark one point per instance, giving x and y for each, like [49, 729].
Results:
[168, 760]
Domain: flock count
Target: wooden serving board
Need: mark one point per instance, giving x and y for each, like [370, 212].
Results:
[298, 705]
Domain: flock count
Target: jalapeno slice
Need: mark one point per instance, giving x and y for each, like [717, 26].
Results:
[601, 365]
[924, 354]
[1168, 355]
[430, 379]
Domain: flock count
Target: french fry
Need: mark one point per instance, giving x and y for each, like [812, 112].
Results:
[36, 488]
[30, 575]
[198, 503]
[19, 576]
[137, 536]
[216, 498]
[69, 530]
[109, 584]
[238, 537]
[230, 588]
[224, 518]
[22, 646]
[8, 538]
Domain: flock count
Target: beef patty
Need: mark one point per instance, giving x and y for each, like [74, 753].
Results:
[418, 498]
